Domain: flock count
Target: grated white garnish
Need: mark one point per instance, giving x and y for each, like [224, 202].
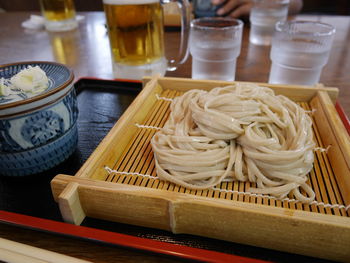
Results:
[4, 89]
[29, 80]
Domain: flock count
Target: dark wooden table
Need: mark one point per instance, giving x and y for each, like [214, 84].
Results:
[86, 51]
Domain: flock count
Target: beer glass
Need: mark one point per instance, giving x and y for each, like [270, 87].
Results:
[136, 36]
[59, 15]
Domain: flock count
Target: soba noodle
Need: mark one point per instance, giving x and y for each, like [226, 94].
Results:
[243, 132]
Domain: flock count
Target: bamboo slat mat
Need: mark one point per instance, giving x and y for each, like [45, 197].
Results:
[136, 167]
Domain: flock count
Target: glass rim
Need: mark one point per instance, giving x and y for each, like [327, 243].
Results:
[195, 23]
[280, 27]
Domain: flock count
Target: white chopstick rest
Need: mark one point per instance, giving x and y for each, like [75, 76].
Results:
[14, 252]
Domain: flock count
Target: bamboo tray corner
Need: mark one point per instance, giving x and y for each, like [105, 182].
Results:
[131, 195]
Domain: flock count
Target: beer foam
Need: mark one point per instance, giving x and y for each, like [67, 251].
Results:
[129, 2]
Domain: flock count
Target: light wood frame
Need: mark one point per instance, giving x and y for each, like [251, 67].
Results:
[295, 231]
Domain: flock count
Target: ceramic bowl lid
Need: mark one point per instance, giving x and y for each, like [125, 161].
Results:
[59, 76]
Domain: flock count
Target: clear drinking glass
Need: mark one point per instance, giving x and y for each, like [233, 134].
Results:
[59, 15]
[263, 17]
[300, 49]
[215, 44]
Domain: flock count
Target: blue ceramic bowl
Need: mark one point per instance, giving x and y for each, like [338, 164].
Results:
[39, 131]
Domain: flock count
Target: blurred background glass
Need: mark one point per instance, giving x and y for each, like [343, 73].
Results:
[263, 17]
[59, 15]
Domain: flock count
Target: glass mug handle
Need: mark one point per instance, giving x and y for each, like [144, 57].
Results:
[185, 29]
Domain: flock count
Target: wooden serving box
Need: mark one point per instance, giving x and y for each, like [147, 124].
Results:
[131, 195]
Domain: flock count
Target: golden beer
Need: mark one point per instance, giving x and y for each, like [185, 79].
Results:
[57, 10]
[135, 29]
[59, 15]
